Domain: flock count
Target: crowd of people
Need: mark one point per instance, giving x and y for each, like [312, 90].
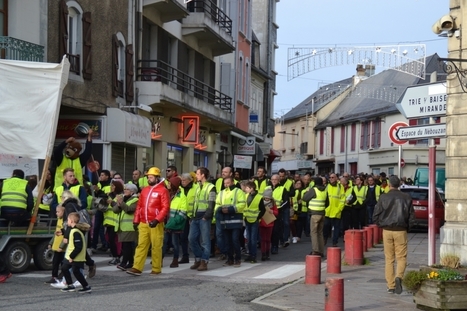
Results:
[224, 217]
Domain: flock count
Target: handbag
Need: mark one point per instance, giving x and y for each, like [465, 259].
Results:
[176, 223]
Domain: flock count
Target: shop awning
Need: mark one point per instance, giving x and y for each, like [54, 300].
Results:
[273, 153]
[125, 127]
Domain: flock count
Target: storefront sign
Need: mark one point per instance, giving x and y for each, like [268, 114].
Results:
[190, 129]
[246, 146]
[66, 128]
[128, 128]
[241, 161]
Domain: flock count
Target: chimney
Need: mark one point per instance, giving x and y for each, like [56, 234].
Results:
[360, 70]
[369, 70]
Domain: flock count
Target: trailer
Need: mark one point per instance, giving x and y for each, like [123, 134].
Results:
[17, 248]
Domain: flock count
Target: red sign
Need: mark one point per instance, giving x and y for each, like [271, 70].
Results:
[66, 128]
[190, 129]
[402, 162]
[392, 133]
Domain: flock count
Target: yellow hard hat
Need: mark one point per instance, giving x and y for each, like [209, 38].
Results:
[154, 171]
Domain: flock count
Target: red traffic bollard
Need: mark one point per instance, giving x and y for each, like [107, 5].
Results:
[365, 237]
[375, 234]
[334, 260]
[313, 269]
[369, 235]
[334, 294]
[353, 247]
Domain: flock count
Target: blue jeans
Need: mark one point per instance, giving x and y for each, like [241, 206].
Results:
[175, 243]
[370, 210]
[200, 239]
[220, 238]
[252, 237]
[329, 223]
[232, 239]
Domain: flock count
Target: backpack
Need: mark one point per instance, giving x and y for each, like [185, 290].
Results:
[84, 217]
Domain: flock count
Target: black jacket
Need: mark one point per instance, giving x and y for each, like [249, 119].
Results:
[394, 211]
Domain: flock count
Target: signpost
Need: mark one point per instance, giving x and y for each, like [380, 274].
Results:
[423, 101]
[421, 131]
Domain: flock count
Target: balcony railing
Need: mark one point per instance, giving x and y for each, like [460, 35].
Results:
[156, 70]
[15, 49]
[74, 63]
[212, 10]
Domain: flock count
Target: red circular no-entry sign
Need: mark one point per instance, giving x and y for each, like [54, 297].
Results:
[402, 162]
[392, 133]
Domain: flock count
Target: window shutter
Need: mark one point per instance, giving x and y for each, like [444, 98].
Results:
[63, 30]
[321, 141]
[378, 133]
[413, 122]
[437, 140]
[332, 140]
[343, 138]
[114, 66]
[362, 135]
[87, 55]
[353, 137]
[373, 131]
[129, 73]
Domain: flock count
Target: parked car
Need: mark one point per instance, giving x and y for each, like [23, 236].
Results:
[420, 204]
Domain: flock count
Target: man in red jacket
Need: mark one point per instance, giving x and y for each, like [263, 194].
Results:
[153, 206]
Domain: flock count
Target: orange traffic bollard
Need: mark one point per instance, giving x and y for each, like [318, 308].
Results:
[334, 260]
[375, 234]
[313, 269]
[365, 237]
[369, 235]
[334, 294]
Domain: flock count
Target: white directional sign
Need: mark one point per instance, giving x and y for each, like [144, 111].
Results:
[421, 131]
[423, 101]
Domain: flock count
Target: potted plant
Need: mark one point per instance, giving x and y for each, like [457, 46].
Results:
[439, 287]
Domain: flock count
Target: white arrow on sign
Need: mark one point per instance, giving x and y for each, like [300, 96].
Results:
[421, 131]
[423, 101]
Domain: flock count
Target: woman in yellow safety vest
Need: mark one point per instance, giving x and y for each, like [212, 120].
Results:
[253, 213]
[124, 209]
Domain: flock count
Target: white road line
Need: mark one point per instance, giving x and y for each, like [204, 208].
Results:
[281, 272]
[33, 275]
[225, 271]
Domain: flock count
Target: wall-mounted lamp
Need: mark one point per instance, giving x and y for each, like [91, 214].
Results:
[285, 133]
[157, 113]
[140, 106]
[172, 119]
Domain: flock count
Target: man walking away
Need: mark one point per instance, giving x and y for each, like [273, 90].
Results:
[395, 214]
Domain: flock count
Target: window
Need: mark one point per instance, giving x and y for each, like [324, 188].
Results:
[122, 69]
[240, 79]
[376, 133]
[424, 121]
[391, 171]
[332, 140]
[365, 136]
[75, 38]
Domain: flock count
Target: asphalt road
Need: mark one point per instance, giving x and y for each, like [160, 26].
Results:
[219, 288]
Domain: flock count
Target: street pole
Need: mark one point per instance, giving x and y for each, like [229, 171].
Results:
[431, 193]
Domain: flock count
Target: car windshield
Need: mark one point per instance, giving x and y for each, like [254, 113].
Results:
[417, 194]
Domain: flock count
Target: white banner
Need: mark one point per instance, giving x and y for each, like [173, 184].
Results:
[8, 163]
[241, 161]
[30, 94]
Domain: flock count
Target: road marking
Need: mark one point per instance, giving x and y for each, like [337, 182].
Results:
[225, 271]
[32, 275]
[281, 272]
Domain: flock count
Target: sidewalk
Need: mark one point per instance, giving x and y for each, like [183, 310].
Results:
[364, 286]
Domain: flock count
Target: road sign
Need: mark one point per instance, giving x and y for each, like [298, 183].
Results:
[423, 101]
[402, 162]
[421, 131]
[392, 133]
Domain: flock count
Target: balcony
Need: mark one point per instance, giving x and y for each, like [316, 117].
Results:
[159, 82]
[15, 49]
[210, 26]
[164, 10]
